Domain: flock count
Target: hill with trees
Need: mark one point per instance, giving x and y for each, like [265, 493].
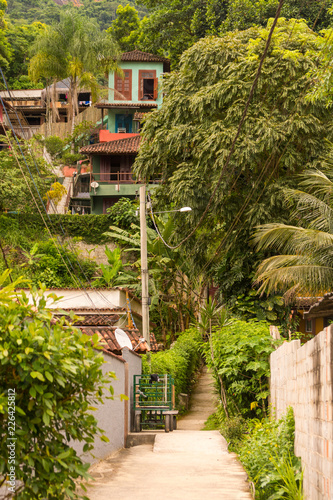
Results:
[48, 11]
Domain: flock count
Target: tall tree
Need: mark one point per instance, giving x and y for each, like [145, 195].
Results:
[126, 28]
[5, 49]
[187, 141]
[175, 25]
[82, 51]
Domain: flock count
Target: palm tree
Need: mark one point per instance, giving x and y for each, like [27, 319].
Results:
[76, 49]
[304, 264]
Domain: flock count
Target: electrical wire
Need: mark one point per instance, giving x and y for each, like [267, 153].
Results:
[240, 125]
[73, 276]
[267, 164]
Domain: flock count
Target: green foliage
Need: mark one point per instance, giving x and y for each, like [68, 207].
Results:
[173, 287]
[238, 355]
[58, 266]
[114, 274]
[48, 11]
[123, 213]
[57, 378]
[71, 158]
[21, 37]
[54, 145]
[58, 148]
[175, 25]
[272, 309]
[181, 361]
[267, 453]
[17, 188]
[89, 228]
[232, 428]
[187, 141]
[125, 29]
[303, 264]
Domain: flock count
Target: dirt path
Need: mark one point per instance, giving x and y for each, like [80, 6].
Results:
[186, 464]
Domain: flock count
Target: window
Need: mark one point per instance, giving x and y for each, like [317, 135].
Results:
[109, 202]
[308, 326]
[148, 85]
[123, 86]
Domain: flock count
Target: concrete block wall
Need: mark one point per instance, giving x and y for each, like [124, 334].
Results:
[301, 377]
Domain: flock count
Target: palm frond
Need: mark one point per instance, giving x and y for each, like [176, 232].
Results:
[306, 278]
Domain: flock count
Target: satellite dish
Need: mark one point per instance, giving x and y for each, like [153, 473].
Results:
[94, 185]
[123, 339]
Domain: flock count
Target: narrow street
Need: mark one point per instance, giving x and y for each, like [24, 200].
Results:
[184, 464]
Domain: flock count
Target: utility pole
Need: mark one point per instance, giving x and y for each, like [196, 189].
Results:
[144, 266]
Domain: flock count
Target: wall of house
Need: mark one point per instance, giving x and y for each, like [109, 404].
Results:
[301, 377]
[135, 67]
[134, 368]
[317, 325]
[114, 415]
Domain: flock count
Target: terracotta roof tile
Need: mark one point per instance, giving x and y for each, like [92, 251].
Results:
[134, 335]
[137, 55]
[127, 104]
[98, 320]
[129, 145]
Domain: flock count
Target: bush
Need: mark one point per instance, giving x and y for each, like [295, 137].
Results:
[181, 361]
[53, 375]
[88, 227]
[238, 354]
[122, 213]
[267, 454]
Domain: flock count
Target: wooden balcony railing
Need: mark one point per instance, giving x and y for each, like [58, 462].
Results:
[114, 177]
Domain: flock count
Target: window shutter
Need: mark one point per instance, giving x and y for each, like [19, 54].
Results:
[140, 85]
[155, 89]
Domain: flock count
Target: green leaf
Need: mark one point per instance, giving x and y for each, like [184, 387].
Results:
[32, 392]
[37, 375]
[48, 376]
[46, 419]
[105, 439]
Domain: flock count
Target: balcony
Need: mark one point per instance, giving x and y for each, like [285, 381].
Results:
[114, 177]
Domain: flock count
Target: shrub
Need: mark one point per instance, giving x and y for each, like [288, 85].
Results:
[122, 213]
[53, 375]
[267, 454]
[238, 354]
[181, 361]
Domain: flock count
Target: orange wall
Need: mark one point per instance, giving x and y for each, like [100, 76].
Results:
[106, 136]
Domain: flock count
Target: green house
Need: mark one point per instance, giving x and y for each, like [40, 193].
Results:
[132, 94]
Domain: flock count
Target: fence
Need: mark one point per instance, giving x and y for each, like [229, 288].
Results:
[301, 377]
[61, 129]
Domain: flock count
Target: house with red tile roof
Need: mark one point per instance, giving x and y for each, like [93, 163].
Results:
[132, 94]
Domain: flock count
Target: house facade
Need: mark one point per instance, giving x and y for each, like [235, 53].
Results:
[135, 91]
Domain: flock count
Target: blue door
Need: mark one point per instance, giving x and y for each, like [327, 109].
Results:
[124, 122]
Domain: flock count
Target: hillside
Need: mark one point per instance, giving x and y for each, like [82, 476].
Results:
[48, 11]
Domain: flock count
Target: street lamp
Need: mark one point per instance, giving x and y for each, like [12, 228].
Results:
[144, 260]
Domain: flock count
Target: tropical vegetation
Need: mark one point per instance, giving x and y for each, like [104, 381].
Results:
[303, 265]
[56, 377]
